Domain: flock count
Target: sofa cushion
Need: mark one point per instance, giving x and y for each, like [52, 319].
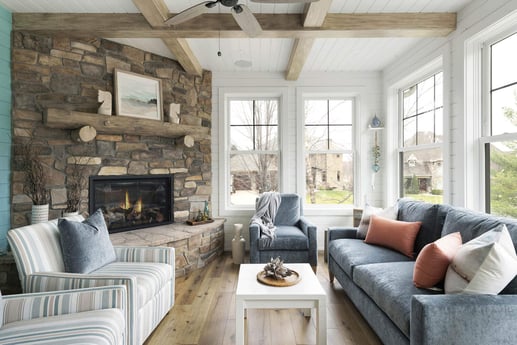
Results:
[394, 234]
[471, 224]
[432, 217]
[289, 211]
[151, 277]
[86, 245]
[432, 262]
[287, 238]
[390, 286]
[103, 327]
[349, 253]
[484, 265]
[368, 211]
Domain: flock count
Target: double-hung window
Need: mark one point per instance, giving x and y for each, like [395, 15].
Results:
[329, 166]
[253, 148]
[499, 135]
[421, 148]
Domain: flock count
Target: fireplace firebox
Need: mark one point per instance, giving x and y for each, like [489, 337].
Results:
[133, 201]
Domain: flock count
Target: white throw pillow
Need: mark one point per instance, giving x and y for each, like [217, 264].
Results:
[484, 265]
[368, 211]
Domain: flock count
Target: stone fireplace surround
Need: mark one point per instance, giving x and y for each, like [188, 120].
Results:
[51, 71]
[55, 71]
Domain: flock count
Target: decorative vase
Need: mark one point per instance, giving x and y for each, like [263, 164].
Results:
[238, 245]
[39, 214]
[69, 214]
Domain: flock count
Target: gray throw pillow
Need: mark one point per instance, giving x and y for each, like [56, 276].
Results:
[86, 245]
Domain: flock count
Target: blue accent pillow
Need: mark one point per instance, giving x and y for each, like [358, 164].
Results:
[86, 245]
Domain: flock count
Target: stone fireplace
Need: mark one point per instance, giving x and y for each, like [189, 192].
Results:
[56, 78]
[132, 201]
[61, 76]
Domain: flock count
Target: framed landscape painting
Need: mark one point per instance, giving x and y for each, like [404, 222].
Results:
[138, 95]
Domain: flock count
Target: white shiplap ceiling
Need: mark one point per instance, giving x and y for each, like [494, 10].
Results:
[266, 54]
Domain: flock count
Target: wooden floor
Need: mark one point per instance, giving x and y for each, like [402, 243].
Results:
[204, 314]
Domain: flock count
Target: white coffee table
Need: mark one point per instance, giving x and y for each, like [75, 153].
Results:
[308, 293]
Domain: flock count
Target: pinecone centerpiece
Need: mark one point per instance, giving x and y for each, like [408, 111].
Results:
[276, 269]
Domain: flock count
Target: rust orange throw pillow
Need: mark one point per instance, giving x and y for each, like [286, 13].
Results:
[394, 234]
[432, 262]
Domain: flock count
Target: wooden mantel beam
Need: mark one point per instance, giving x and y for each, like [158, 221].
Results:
[336, 25]
[156, 12]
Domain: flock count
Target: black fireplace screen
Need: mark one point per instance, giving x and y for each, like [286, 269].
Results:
[132, 202]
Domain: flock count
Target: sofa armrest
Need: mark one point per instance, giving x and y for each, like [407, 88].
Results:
[254, 231]
[306, 226]
[54, 281]
[463, 319]
[43, 304]
[310, 230]
[335, 233]
[145, 254]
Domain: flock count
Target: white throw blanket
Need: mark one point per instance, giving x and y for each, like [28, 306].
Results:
[264, 216]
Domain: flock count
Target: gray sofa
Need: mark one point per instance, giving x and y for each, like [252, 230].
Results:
[379, 281]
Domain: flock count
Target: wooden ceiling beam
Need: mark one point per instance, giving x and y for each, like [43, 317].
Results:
[315, 13]
[156, 12]
[181, 50]
[314, 16]
[336, 25]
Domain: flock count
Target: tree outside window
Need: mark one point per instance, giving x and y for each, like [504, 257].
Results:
[501, 142]
[254, 153]
[329, 168]
[421, 154]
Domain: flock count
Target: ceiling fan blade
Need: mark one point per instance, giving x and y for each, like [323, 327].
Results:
[189, 13]
[246, 20]
[283, 1]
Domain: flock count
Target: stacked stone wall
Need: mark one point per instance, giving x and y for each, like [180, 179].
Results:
[59, 72]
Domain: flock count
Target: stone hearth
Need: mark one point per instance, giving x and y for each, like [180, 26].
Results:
[195, 245]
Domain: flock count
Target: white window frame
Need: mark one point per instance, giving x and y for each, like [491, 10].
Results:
[485, 134]
[401, 149]
[225, 95]
[308, 93]
[476, 105]
[394, 125]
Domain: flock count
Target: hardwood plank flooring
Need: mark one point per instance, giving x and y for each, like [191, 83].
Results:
[204, 314]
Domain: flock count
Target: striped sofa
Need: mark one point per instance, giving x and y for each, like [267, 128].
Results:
[147, 272]
[85, 316]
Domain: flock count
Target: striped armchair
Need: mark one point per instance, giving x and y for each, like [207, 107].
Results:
[147, 272]
[85, 316]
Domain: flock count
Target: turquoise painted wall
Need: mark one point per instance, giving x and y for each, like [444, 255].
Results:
[5, 126]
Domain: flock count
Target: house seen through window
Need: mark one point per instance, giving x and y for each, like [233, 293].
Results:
[329, 168]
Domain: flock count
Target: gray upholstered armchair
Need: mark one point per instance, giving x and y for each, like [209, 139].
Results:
[295, 240]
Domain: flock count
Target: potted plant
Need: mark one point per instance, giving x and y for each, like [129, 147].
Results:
[75, 183]
[35, 182]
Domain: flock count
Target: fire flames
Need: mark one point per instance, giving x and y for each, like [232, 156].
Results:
[136, 208]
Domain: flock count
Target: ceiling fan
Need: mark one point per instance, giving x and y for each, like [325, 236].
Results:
[241, 13]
